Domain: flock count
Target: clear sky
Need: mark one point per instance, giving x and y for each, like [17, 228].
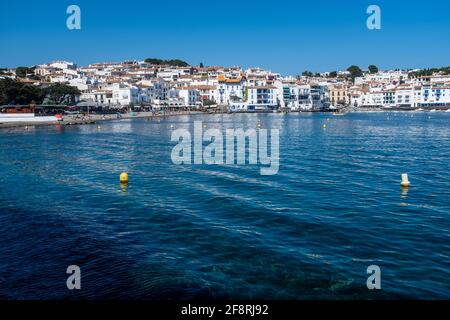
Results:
[284, 36]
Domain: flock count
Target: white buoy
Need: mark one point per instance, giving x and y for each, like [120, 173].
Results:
[405, 181]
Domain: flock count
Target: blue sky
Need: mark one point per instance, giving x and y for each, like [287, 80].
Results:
[285, 36]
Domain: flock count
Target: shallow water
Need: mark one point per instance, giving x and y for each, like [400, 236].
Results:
[200, 231]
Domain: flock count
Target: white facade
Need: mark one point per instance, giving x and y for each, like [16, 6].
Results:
[404, 96]
[191, 97]
[262, 98]
[435, 96]
[229, 90]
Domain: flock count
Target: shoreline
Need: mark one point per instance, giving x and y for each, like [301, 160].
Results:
[70, 120]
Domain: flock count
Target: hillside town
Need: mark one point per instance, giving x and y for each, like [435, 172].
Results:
[156, 84]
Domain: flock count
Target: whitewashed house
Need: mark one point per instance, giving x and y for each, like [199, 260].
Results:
[190, 96]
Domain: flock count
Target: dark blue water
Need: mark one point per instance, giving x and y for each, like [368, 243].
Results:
[202, 231]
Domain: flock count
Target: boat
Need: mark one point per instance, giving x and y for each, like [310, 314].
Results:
[14, 114]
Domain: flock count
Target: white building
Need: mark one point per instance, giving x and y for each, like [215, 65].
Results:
[405, 97]
[158, 88]
[435, 96]
[313, 97]
[230, 89]
[262, 98]
[190, 96]
[125, 95]
[63, 65]
[98, 97]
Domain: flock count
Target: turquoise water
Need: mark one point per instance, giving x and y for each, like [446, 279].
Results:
[200, 231]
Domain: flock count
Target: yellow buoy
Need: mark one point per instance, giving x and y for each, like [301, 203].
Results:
[324, 126]
[405, 182]
[124, 177]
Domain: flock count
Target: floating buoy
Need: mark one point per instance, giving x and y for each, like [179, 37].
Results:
[171, 126]
[204, 126]
[328, 119]
[124, 177]
[324, 126]
[405, 182]
[99, 127]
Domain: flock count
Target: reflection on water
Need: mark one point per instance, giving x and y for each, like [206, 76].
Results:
[124, 187]
[404, 193]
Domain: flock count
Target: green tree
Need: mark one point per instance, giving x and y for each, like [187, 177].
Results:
[22, 72]
[333, 74]
[246, 94]
[177, 63]
[15, 92]
[173, 62]
[373, 69]
[60, 93]
[355, 71]
[307, 73]
[429, 72]
[208, 102]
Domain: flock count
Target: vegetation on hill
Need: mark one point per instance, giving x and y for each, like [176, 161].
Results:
[16, 92]
[429, 72]
[23, 72]
[355, 71]
[373, 69]
[173, 62]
